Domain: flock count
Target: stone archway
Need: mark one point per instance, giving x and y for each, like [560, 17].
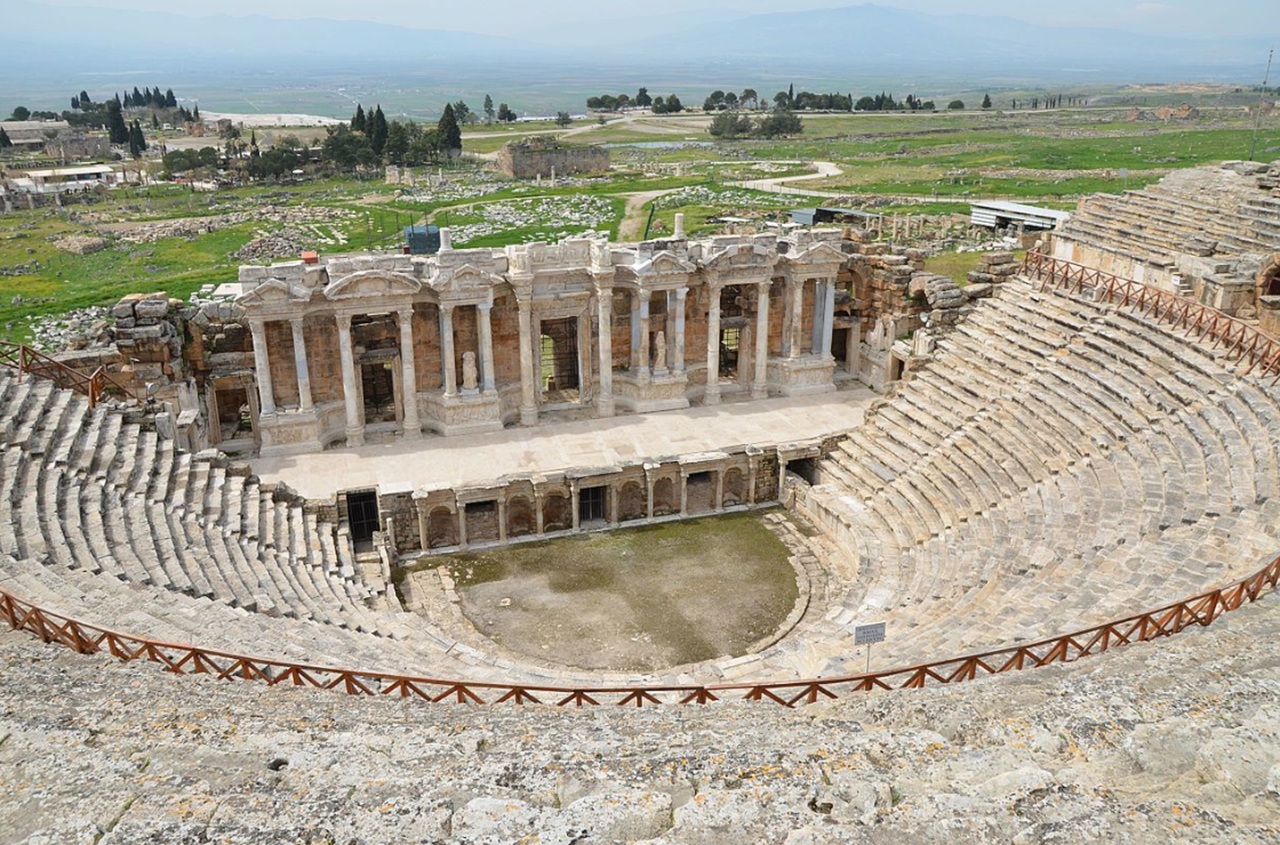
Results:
[664, 500]
[557, 515]
[1267, 296]
[442, 528]
[735, 487]
[1269, 278]
[521, 520]
[632, 501]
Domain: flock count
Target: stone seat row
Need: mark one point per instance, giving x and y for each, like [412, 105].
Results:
[1126, 440]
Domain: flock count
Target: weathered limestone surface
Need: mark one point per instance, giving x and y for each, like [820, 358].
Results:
[1157, 743]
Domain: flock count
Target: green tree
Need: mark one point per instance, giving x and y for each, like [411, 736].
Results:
[397, 144]
[85, 102]
[377, 130]
[358, 121]
[643, 100]
[450, 134]
[728, 125]
[117, 130]
[137, 141]
[155, 122]
[424, 147]
[345, 150]
[779, 123]
[5, 142]
[563, 119]
[986, 101]
[955, 105]
[20, 113]
[488, 109]
[749, 98]
[505, 114]
[462, 113]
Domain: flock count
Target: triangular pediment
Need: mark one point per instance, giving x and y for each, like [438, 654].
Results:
[740, 257]
[463, 279]
[274, 292]
[372, 284]
[822, 252]
[665, 263]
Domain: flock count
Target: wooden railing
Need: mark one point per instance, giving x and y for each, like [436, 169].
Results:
[1244, 343]
[1166, 621]
[33, 361]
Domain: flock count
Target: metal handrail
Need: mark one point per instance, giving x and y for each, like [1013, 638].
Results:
[181, 658]
[1242, 341]
[26, 359]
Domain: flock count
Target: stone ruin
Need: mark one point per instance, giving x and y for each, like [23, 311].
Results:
[542, 158]
[1056, 462]
[1210, 233]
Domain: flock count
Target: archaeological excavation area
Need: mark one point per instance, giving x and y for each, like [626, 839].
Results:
[310, 456]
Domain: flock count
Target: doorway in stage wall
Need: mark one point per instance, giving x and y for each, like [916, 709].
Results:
[378, 387]
[558, 346]
[362, 518]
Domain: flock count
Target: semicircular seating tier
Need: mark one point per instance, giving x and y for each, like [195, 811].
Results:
[1059, 463]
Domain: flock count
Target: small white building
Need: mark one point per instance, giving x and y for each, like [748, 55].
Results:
[999, 214]
[62, 179]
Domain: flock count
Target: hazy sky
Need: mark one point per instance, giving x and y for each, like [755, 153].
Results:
[1195, 18]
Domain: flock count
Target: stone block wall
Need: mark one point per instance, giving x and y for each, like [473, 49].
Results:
[529, 160]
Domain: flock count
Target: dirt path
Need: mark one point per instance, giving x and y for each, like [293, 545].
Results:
[782, 184]
[633, 219]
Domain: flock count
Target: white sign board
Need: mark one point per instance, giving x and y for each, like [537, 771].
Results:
[867, 634]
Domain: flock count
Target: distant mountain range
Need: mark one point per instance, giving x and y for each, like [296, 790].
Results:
[51, 48]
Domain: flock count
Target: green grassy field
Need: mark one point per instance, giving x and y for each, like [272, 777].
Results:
[915, 163]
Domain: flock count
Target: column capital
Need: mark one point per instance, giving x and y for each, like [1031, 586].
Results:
[343, 320]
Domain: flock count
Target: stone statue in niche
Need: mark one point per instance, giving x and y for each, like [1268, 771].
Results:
[660, 351]
[468, 370]
[875, 339]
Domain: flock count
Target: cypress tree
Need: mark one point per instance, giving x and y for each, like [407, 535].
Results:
[378, 130]
[450, 134]
[358, 122]
[117, 130]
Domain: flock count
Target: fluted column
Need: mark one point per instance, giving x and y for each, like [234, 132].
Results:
[713, 347]
[409, 375]
[446, 351]
[262, 368]
[759, 380]
[484, 311]
[528, 385]
[350, 387]
[678, 362]
[604, 320]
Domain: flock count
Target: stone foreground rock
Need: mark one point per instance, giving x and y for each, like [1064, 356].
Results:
[1172, 742]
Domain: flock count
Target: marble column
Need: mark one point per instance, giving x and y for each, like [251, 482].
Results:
[300, 364]
[713, 347]
[262, 368]
[797, 317]
[635, 331]
[828, 317]
[484, 312]
[604, 321]
[528, 381]
[409, 375]
[446, 351]
[644, 335]
[760, 378]
[678, 356]
[819, 317]
[350, 387]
